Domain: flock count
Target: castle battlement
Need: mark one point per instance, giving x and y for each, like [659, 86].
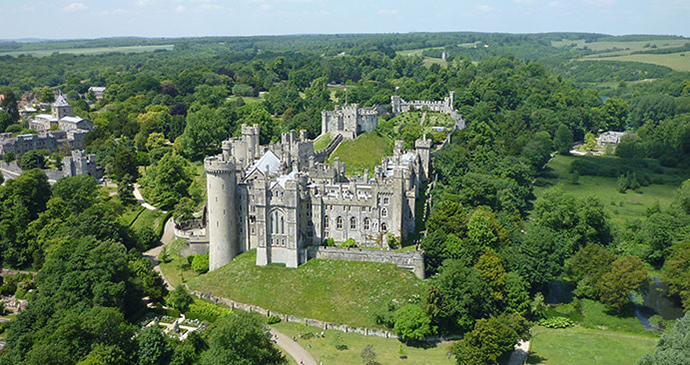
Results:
[217, 165]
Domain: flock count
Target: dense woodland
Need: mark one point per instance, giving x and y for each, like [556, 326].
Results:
[491, 247]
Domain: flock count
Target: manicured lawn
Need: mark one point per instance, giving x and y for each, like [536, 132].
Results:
[386, 349]
[247, 99]
[364, 152]
[149, 218]
[322, 141]
[131, 214]
[178, 270]
[336, 291]
[586, 346]
[621, 207]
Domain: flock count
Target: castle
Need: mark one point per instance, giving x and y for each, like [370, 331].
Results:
[279, 200]
[349, 120]
[61, 117]
[399, 105]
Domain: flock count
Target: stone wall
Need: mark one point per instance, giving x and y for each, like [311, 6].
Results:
[322, 155]
[413, 261]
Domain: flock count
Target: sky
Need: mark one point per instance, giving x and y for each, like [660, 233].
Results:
[70, 19]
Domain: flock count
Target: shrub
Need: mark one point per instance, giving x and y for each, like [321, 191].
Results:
[273, 319]
[180, 299]
[329, 242]
[200, 263]
[556, 322]
[349, 243]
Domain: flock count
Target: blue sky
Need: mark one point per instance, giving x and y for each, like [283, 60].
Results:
[59, 19]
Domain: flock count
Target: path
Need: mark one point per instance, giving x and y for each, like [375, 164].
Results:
[140, 199]
[519, 355]
[293, 348]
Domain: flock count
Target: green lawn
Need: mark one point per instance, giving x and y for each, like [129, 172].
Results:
[577, 345]
[621, 207]
[632, 45]
[177, 270]
[336, 291]
[247, 99]
[364, 152]
[386, 349]
[89, 51]
[149, 218]
[322, 141]
[594, 315]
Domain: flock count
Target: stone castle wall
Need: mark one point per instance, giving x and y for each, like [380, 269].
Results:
[413, 261]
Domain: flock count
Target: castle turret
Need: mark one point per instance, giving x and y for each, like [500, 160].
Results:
[222, 210]
[423, 149]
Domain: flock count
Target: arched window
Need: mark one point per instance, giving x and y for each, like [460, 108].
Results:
[353, 223]
[282, 225]
[339, 223]
[326, 222]
[386, 200]
[384, 212]
[384, 227]
[366, 224]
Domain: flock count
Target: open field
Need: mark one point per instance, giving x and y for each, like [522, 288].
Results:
[364, 152]
[621, 207]
[89, 51]
[676, 61]
[386, 349]
[632, 45]
[336, 291]
[247, 99]
[415, 52]
[585, 346]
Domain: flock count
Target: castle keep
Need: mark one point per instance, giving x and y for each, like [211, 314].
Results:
[278, 200]
[349, 120]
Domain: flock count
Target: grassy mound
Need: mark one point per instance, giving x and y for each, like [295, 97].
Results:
[335, 291]
[364, 152]
[322, 141]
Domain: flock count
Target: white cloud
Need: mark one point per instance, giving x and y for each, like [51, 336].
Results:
[75, 7]
[180, 9]
[142, 3]
[556, 4]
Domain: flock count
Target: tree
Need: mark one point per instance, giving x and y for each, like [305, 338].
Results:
[676, 272]
[563, 139]
[168, 181]
[180, 299]
[125, 163]
[79, 192]
[412, 323]
[490, 339]
[590, 141]
[492, 272]
[682, 199]
[483, 229]
[5, 120]
[587, 267]
[627, 275]
[200, 263]
[673, 347]
[241, 338]
[203, 134]
[153, 349]
[447, 217]
[184, 210]
[32, 160]
[9, 104]
[538, 150]
[541, 254]
[517, 294]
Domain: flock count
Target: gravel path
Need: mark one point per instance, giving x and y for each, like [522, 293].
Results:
[293, 348]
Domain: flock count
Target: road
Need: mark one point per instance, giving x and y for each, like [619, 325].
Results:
[293, 348]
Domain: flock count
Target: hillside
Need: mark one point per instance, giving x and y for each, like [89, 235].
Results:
[364, 152]
[335, 291]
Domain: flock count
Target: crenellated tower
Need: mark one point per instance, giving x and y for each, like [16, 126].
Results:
[221, 184]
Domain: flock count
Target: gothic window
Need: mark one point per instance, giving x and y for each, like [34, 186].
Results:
[326, 222]
[339, 223]
[282, 225]
[384, 212]
[353, 223]
[384, 227]
[325, 234]
[366, 224]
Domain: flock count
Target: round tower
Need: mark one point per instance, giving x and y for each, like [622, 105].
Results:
[221, 226]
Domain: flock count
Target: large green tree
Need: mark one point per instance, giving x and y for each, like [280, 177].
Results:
[673, 347]
[168, 181]
[676, 272]
[204, 132]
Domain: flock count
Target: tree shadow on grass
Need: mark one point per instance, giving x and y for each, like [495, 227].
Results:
[628, 311]
[422, 344]
[535, 359]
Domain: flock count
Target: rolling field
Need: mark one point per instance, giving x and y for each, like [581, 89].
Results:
[621, 207]
[676, 61]
[336, 291]
[89, 51]
[583, 346]
[386, 349]
[364, 152]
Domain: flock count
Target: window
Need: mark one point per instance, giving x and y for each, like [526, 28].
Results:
[282, 225]
[339, 223]
[326, 222]
[384, 227]
[384, 212]
[366, 224]
[353, 223]
[386, 200]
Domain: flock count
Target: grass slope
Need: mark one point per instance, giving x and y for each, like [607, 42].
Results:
[335, 291]
[676, 61]
[586, 346]
[364, 152]
[621, 207]
[89, 51]
[386, 349]
[322, 141]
